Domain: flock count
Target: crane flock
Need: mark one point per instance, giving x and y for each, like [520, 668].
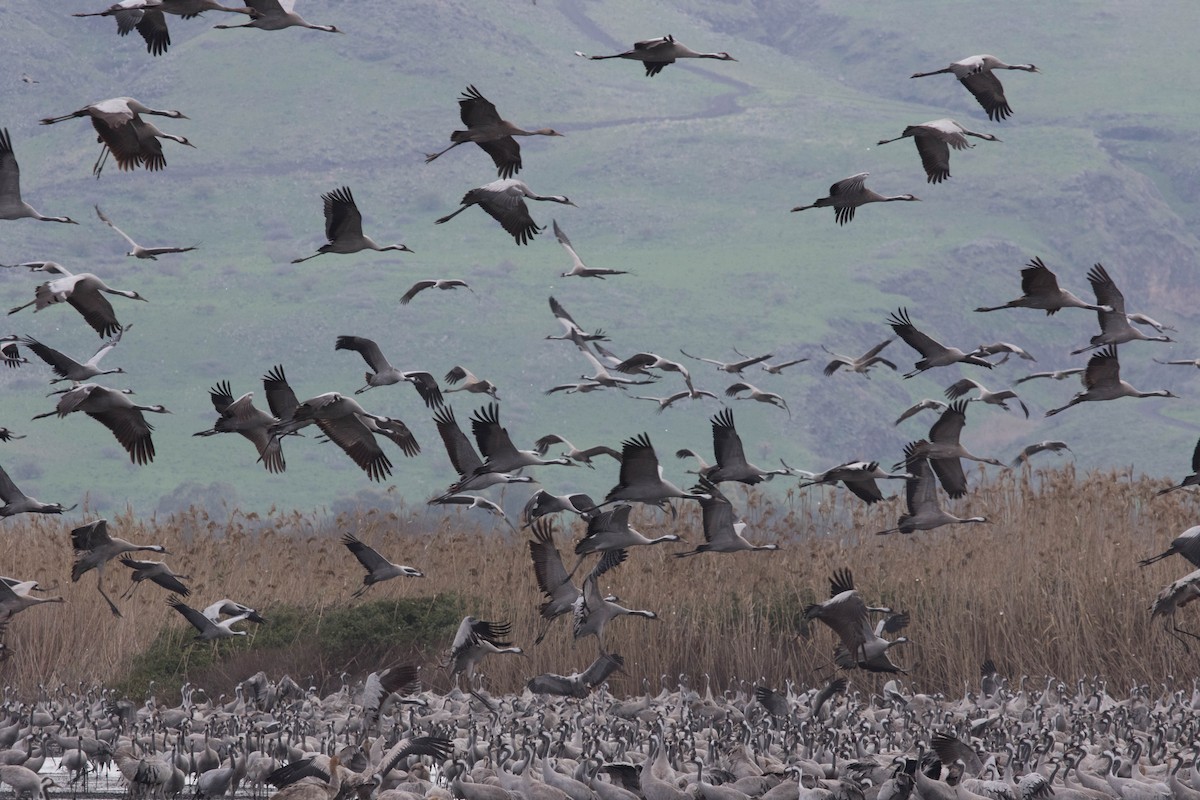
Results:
[608, 533]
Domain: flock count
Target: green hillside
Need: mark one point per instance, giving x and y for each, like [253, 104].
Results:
[685, 179]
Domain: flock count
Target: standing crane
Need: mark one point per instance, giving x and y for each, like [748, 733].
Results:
[658, 53]
[848, 194]
[976, 73]
[343, 227]
[493, 134]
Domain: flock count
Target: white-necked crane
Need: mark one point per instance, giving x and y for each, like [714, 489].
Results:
[848, 194]
[343, 228]
[352, 428]
[934, 140]
[11, 204]
[1007, 348]
[493, 134]
[1058, 375]
[474, 501]
[504, 201]
[230, 608]
[1102, 381]
[658, 53]
[976, 73]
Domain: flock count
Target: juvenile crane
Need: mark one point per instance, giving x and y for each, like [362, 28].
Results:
[848, 194]
[976, 73]
[343, 227]
[11, 204]
[1102, 381]
[493, 134]
[658, 53]
[504, 201]
[934, 140]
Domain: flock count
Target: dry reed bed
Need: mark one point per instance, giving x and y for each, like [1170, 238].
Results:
[1051, 587]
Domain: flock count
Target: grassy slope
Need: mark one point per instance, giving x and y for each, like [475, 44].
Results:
[685, 179]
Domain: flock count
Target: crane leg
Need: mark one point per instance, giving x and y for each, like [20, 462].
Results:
[100, 588]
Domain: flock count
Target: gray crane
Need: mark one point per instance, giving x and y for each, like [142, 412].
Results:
[543, 503]
[922, 405]
[962, 387]
[243, 417]
[641, 478]
[11, 204]
[137, 250]
[977, 74]
[945, 452]
[207, 629]
[504, 201]
[493, 134]
[497, 448]
[343, 227]
[17, 502]
[542, 446]
[94, 547]
[230, 608]
[85, 293]
[444, 284]
[933, 353]
[384, 374]
[578, 684]
[1102, 381]
[1186, 544]
[862, 364]
[1040, 290]
[848, 194]
[470, 383]
[552, 577]
[378, 568]
[275, 15]
[578, 268]
[1114, 323]
[1058, 375]
[156, 572]
[732, 367]
[593, 611]
[475, 640]
[1190, 480]
[1169, 600]
[721, 533]
[474, 501]
[18, 596]
[731, 464]
[114, 410]
[860, 477]
[465, 460]
[25, 782]
[148, 18]
[658, 53]
[924, 512]
[352, 428]
[759, 395]
[1045, 446]
[848, 616]
[67, 368]
[666, 402]
[610, 530]
[934, 140]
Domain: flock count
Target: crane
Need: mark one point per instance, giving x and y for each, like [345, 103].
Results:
[138, 251]
[114, 410]
[343, 227]
[542, 446]
[94, 547]
[1114, 323]
[1102, 381]
[465, 460]
[207, 630]
[1190, 480]
[275, 15]
[578, 268]
[577, 684]
[378, 568]
[552, 577]
[17, 502]
[848, 194]
[934, 140]
[731, 464]
[470, 383]
[504, 201]
[976, 73]
[493, 134]
[658, 53]
[156, 572]
[945, 452]
[445, 284]
[924, 512]
[474, 640]
[641, 478]
[1186, 544]
[497, 448]
[760, 395]
[861, 364]
[848, 616]
[241, 416]
[1040, 290]
[384, 374]
[933, 352]
[11, 204]
[85, 293]
[67, 368]
[1045, 446]
[721, 533]
[962, 387]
